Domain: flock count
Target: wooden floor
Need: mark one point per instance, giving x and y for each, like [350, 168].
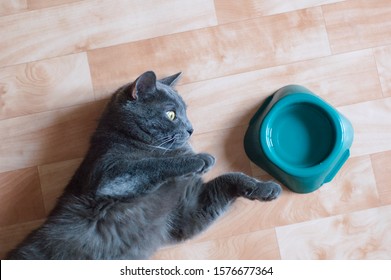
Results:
[61, 59]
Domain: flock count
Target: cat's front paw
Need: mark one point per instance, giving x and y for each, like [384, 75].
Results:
[260, 190]
[208, 162]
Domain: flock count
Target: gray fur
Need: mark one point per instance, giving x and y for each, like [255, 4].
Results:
[139, 186]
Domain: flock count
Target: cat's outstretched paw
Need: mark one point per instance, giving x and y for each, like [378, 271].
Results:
[208, 162]
[264, 191]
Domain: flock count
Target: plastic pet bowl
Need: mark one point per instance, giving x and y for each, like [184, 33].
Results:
[299, 139]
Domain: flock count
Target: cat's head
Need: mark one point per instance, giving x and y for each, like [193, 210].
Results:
[151, 111]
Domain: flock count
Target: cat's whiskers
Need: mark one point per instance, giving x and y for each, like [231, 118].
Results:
[164, 140]
[175, 138]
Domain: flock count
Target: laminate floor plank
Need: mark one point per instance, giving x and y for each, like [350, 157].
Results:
[90, 24]
[358, 24]
[358, 235]
[11, 236]
[40, 4]
[372, 129]
[231, 10]
[383, 60]
[252, 246]
[214, 52]
[232, 100]
[47, 137]
[54, 177]
[8, 7]
[381, 164]
[226, 146]
[21, 197]
[45, 85]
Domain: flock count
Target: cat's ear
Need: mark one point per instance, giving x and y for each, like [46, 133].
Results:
[146, 83]
[171, 80]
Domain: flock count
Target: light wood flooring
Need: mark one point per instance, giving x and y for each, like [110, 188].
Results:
[61, 59]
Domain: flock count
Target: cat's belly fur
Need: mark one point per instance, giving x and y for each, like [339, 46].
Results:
[111, 229]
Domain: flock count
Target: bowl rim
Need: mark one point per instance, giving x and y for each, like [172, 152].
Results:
[327, 110]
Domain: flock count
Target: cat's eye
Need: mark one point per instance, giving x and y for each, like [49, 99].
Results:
[171, 115]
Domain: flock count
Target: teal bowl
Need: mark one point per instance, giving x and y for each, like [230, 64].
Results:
[299, 139]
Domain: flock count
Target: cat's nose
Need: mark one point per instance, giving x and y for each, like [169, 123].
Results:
[190, 131]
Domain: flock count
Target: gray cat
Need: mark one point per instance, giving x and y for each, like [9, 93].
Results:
[139, 186]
